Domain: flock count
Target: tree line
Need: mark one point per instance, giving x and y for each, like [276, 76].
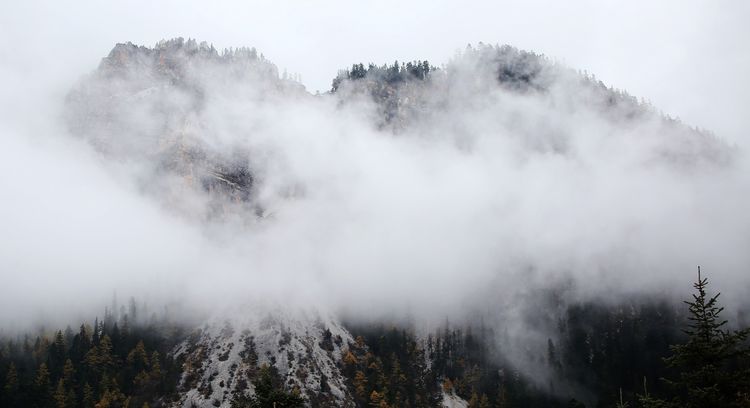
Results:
[641, 353]
[113, 362]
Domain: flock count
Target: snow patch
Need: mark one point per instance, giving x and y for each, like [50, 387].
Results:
[303, 346]
[453, 401]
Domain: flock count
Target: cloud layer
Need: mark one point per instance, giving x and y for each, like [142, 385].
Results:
[480, 195]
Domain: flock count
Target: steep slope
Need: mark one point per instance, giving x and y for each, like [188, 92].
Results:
[222, 359]
[526, 95]
[148, 107]
[192, 125]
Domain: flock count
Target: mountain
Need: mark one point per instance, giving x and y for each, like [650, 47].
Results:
[157, 107]
[144, 105]
[198, 131]
[415, 93]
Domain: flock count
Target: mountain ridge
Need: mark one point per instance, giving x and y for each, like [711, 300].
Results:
[195, 123]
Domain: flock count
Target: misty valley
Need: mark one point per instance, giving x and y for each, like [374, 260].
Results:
[499, 230]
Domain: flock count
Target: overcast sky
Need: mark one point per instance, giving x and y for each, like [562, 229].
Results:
[689, 58]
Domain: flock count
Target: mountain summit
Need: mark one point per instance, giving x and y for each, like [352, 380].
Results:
[318, 208]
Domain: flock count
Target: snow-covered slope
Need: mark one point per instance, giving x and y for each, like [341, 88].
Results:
[453, 401]
[222, 357]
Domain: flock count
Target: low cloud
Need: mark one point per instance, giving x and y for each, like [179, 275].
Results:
[475, 196]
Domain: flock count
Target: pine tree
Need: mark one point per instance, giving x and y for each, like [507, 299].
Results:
[11, 380]
[95, 332]
[60, 396]
[88, 396]
[105, 359]
[269, 393]
[111, 396]
[360, 384]
[714, 364]
[645, 400]
[375, 398]
[69, 373]
[349, 358]
[10, 389]
[156, 373]
[137, 358]
[81, 343]
[42, 389]
[57, 354]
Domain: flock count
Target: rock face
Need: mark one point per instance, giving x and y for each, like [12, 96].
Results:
[494, 82]
[183, 112]
[149, 107]
[166, 109]
[304, 348]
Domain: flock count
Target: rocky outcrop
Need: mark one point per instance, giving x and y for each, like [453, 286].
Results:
[222, 359]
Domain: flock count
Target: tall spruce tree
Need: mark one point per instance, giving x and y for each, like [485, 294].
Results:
[714, 363]
[11, 386]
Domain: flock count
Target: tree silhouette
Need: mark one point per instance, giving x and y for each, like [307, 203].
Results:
[713, 364]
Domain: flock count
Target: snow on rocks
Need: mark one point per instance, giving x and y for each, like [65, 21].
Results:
[451, 400]
[221, 358]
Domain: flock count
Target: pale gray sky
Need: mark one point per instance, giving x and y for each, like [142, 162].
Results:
[690, 58]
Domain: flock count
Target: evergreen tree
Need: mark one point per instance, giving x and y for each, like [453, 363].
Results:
[269, 393]
[156, 373]
[63, 396]
[42, 388]
[88, 396]
[646, 400]
[714, 363]
[57, 355]
[69, 373]
[137, 358]
[87, 373]
[10, 388]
